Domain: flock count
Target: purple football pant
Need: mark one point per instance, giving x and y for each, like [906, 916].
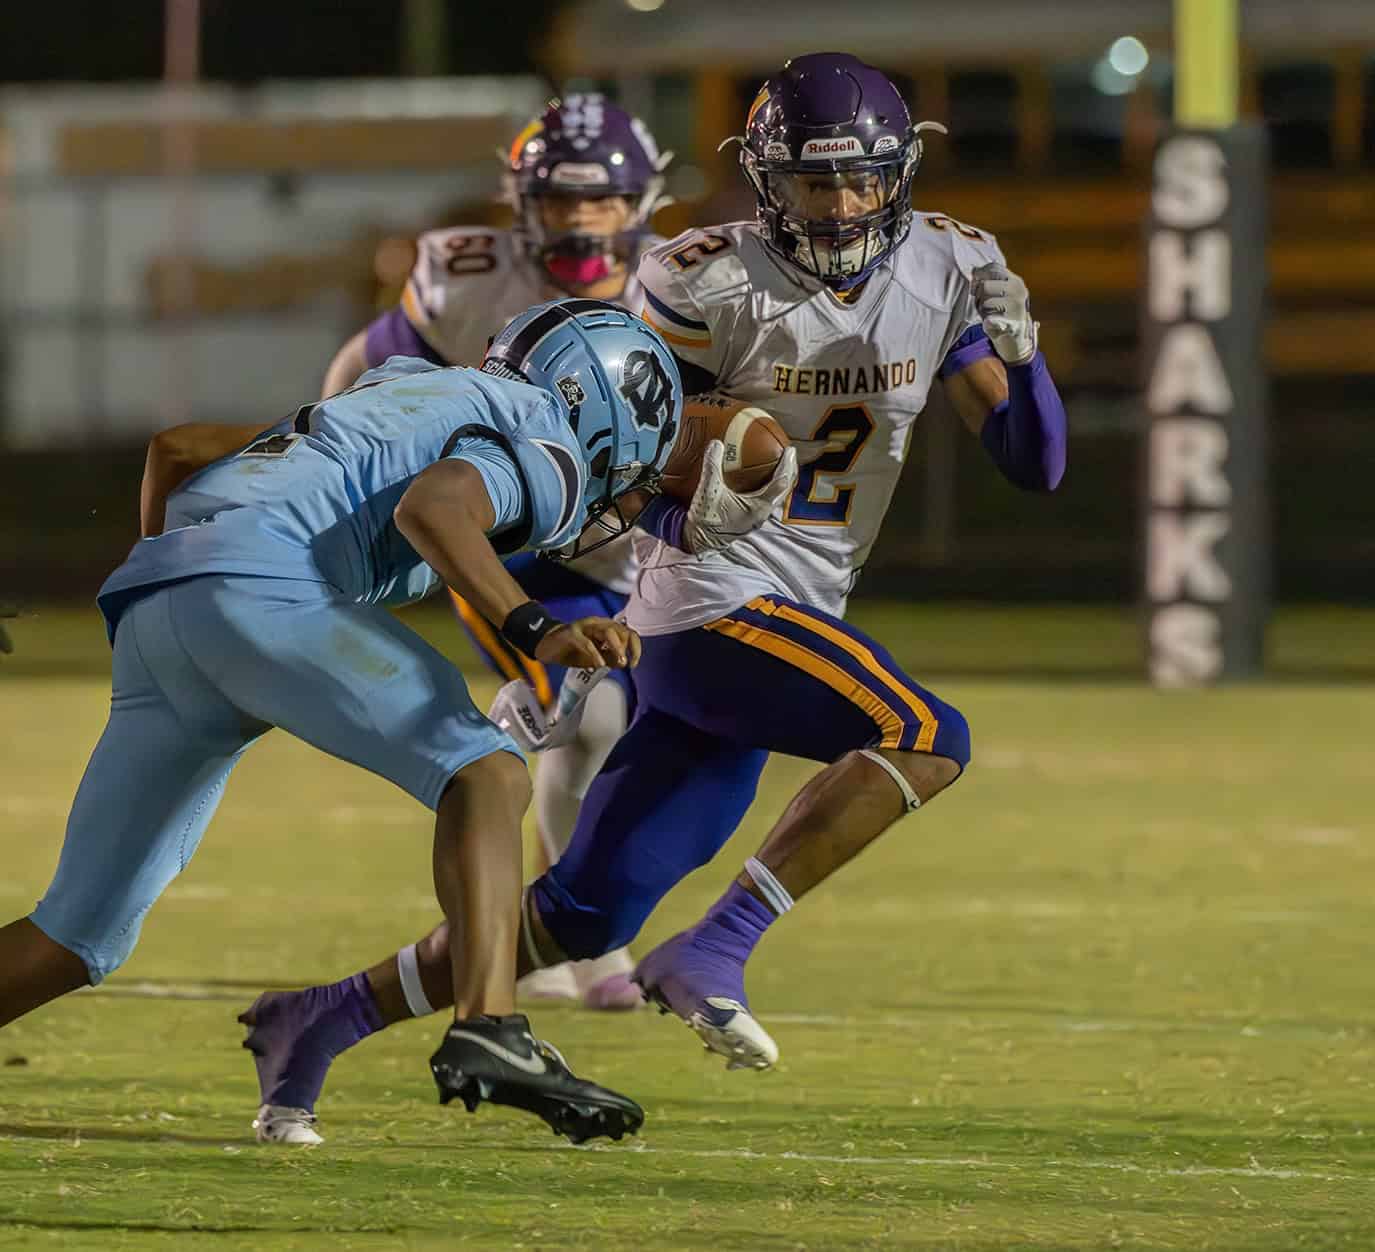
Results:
[774, 676]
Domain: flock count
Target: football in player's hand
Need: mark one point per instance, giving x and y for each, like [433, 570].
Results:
[754, 442]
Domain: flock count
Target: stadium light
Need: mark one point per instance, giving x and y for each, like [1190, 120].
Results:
[1119, 70]
[1128, 56]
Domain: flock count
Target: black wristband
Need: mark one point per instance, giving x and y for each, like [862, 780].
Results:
[526, 625]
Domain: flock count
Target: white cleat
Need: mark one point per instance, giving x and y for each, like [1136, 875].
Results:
[726, 1028]
[554, 982]
[276, 1123]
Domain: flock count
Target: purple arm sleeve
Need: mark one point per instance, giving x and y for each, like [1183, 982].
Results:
[971, 346]
[665, 519]
[392, 335]
[1026, 435]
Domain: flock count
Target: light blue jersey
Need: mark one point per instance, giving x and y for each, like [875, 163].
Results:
[312, 498]
[261, 605]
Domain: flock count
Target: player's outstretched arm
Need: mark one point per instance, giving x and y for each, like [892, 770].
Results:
[177, 453]
[445, 515]
[349, 362]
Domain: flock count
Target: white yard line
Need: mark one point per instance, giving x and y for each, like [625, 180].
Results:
[977, 1163]
[1071, 1025]
[165, 991]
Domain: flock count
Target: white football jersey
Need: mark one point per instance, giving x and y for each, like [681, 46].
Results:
[845, 380]
[468, 282]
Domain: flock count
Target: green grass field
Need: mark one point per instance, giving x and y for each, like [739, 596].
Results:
[1114, 990]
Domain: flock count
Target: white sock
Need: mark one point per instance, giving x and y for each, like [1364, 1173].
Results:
[411, 986]
[773, 891]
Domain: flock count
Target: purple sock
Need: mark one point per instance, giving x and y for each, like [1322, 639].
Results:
[356, 994]
[734, 924]
[331, 1020]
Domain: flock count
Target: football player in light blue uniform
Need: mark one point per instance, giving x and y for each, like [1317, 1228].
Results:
[260, 605]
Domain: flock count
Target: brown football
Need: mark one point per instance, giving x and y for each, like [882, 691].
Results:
[754, 444]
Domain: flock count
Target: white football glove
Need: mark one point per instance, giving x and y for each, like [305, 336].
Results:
[1005, 310]
[718, 516]
[518, 712]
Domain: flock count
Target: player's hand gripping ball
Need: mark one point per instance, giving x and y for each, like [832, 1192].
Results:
[752, 446]
[733, 485]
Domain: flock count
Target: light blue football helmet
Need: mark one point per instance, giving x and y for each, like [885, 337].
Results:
[617, 382]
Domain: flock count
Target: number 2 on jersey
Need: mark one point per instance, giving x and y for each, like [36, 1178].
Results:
[938, 221]
[822, 503]
[704, 246]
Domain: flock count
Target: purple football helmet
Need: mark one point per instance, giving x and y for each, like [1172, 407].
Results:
[829, 124]
[584, 146]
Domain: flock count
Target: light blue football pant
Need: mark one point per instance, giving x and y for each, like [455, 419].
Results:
[202, 668]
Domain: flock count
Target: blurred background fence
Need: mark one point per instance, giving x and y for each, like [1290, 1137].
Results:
[199, 250]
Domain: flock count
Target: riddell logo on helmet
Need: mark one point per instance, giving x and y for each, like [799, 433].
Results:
[849, 146]
[579, 174]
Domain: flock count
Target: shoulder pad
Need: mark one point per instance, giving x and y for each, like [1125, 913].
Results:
[966, 246]
[704, 262]
[460, 279]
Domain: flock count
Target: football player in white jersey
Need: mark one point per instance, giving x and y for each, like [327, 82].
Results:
[584, 179]
[835, 311]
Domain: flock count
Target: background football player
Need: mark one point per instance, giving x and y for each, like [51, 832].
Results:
[584, 178]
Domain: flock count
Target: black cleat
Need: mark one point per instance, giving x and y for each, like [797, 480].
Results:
[497, 1059]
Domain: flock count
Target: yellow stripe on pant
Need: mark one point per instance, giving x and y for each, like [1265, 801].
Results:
[884, 716]
[927, 735]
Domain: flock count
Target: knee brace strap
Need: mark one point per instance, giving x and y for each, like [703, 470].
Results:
[913, 801]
